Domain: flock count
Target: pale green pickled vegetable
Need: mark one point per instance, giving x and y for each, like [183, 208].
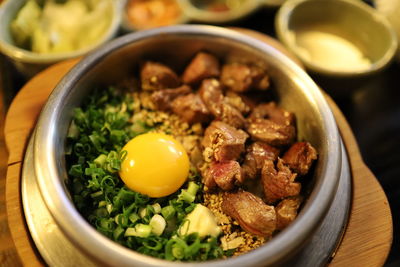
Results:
[61, 26]
[24, 25]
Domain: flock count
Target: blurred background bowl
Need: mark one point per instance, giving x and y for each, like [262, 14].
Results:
[339, 41]
[29, 63]
[391, 10]
[219, 12]
[146, 14]
[175, 46]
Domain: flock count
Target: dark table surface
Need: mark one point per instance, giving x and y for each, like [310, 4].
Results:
[372, 110]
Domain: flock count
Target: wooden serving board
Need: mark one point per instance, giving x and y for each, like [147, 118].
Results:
[366, 241]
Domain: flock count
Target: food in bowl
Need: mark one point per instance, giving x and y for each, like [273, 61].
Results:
[234, 178]
[146, 14]
[63, 26]
[218, 5]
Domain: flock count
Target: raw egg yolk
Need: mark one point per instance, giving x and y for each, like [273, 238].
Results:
[156, 165]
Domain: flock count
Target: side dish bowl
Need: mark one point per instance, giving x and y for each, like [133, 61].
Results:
[364, 41]
[29, 63]
[175, 45]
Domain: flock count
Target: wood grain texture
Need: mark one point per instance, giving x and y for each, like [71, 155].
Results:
[366, 241]
[16, 220]
[20, 120]
[8, 253]
[369, 234]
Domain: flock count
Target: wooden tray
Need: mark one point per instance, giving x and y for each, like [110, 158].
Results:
[366, 241]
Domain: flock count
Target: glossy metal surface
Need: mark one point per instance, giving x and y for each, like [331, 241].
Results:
[55, 249]
[175, 46]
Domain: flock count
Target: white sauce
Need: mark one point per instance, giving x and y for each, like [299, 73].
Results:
[330, 51]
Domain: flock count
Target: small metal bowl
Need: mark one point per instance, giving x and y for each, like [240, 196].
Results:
[30, 63]
[175, 46]
[346, 26]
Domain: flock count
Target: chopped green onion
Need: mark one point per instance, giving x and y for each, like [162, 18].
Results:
[120, 219]
[153, 243]
[131, 231]
[140, 230]
[101, 212]
[96, 194]
[168, 212]
[175, 249]
[105, 223]
[192, 188]
[76, 170]
[142, 212]
[109, 208]
[156, 207]
[73, 131]
[186, 196]
[118, 232]
[157, 224]
[100, 160]
[102, 203]
[189, 195]
[178, 252]
[133, 217]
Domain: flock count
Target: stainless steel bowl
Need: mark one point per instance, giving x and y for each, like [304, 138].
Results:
[176, 45]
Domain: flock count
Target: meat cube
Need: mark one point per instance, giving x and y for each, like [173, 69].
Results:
[202, 66]
[236, 77]
[157, 76]
[232, 116]
[240, 77]
[286, 211]
[274, 113]
[260, 78]
[207, 178]
[257, 154]
[190, 108]
[278, 183]
[225, 141]
[162, 98]
[211, 94]
[252, 214]
[300, 157]
[238, 101]
[271, 132]
[225, 174]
